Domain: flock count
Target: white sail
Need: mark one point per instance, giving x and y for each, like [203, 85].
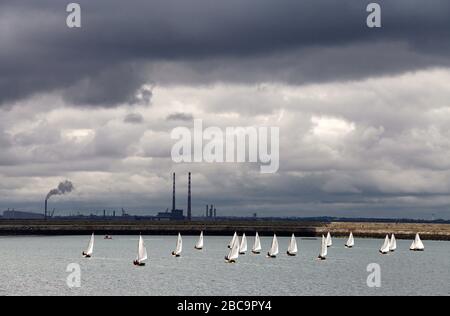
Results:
[142, 251]
[230, 245]
[323, 248]
[417, 244]
[179, 247]
[90, 248]
[350, 242]
[234, 251]
[292, 249]
[274, 248]
[243, 246]
[199, 244]
[386, 246]
[257, 245]
[329, 240]
[393, 243]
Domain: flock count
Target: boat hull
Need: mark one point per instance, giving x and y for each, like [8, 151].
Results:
[175, 254]
[321, 258]
[85, 255]
[291, 254]
[139, 264]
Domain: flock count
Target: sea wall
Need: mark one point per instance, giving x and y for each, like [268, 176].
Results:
[281, 228]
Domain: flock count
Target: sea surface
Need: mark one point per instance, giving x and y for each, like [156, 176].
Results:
[38, 266]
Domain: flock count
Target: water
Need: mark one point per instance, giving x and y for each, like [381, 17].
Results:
[37, 266]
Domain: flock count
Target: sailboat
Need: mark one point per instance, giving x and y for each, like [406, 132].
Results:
[417, 244]
[90, 249]
[234, 251]
[273, 252]
[199, 244]
[350, 242]
[329, 240]
[385, 249]
[243, 246]
[323, 249]
[393, 243]
[179, 247]
[230, 245]
[142, 253]
[257, 245]
[292, 249]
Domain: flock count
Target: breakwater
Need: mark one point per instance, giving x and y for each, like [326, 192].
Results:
[282, 228]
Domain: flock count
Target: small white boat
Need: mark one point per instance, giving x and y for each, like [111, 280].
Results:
[257, 245]
[350, 242]
[243, 246]
[393, 243]
[233, 255]
[323, 249]
[273, 252]
[329, 240]
[142, 253]
[90, 249]
[179, 247]
[417, 244]
[292, 249]
[232, 240]
[199, 244]
[385, 249]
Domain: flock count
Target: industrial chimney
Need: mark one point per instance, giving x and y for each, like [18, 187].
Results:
[189, 213]
[45, 211]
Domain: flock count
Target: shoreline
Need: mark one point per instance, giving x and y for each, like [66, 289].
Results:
[218, 228]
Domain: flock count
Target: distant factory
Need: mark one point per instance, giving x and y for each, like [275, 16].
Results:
[174, 214]
[211, 211]
[177, 214]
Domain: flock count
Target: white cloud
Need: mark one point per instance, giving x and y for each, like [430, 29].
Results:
[374, 145]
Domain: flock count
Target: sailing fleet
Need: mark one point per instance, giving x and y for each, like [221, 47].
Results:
[238, 246]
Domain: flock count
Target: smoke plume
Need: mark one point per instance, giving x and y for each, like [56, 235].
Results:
[63, 188]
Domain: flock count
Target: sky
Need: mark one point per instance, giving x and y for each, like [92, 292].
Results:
[364, 114]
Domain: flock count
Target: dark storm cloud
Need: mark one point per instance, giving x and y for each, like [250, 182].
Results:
[124, 44]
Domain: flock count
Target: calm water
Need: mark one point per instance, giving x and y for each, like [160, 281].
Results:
[37, 266]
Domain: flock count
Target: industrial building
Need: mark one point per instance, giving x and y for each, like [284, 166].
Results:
[177, 214]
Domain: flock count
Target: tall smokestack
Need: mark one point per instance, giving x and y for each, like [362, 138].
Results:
[211, 211]
[215, 213]
[173, 193]
[207, 209]
[189, 213]
[45, 212]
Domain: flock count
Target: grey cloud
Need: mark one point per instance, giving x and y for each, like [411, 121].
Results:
[108, 60]
[186, 117]
[134, 118]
